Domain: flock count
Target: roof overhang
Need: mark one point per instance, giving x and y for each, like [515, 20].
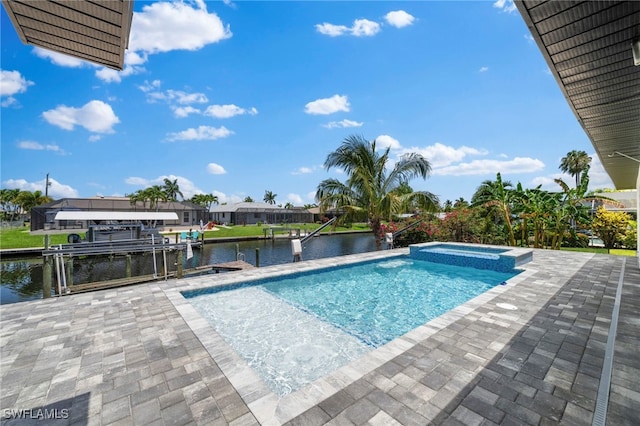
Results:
[587, 45]
[95, 30]
[109, 215]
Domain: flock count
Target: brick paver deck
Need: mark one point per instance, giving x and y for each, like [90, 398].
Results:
[139, 355]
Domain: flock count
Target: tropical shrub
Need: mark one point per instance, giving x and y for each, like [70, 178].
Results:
[610, 226]
[630, 239]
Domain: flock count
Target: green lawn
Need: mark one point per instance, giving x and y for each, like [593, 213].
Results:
[600, 250]
[257, 231]
[21, 238]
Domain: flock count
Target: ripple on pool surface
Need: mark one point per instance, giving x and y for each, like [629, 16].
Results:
[287, 347]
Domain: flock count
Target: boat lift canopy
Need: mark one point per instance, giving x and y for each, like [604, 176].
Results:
[111, 215]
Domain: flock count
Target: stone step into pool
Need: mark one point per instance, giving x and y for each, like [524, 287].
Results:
[477, 256]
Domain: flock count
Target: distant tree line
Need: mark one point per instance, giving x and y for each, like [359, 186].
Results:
[16, 203]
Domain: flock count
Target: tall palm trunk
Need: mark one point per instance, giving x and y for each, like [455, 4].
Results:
[376, 226]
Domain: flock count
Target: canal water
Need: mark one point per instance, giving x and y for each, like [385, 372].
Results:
[21, 279]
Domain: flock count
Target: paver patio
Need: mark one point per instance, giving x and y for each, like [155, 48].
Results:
[140, 355]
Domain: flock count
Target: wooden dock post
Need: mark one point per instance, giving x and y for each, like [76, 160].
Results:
[69, 272]
[127, 267]
[179, 273]
[47, 270]
[257, 257]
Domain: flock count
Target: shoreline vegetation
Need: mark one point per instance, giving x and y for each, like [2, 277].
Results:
[21, 238]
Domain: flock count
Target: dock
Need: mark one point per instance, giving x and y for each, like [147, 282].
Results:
[237, 265]
[119, 282]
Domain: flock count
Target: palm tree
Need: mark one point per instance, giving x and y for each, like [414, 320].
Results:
[289, 205]
[205, 200]
[575, 163]
[172, 189]
[155, 194]
[139, 195]
[573, 208]
[248, 199]
[497, 194]
[8, 203]
[269, 197]
[27, 200]
[370, 188]
[460, 203]
[535, 207]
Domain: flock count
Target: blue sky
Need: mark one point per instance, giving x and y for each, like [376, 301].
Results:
[239, 98]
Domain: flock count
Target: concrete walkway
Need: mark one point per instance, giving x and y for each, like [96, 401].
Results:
[140, 355]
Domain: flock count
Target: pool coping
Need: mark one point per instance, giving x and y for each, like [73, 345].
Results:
[267, 407]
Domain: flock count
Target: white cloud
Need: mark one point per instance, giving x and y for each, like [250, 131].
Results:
[360, 27]
[384, 141]
[148, 86]
[328, 105]
[176, 96]
[94, 138]
[56, 189]
[132, 60]
[529, 38]
[8, 101]
[303, 170]
[166, 26]
[159, 27]
[331, 30]
[12, 82]
[229, 199]
[182, 112]
[295, 199]
[228, 111]
[36, 146]
[343, 124]
[546, 182]
[187, 187]
[60, 59]
[483, 69]
[137, 181]
[311, 196]
[364, 27]
[490, 167]
[505, 6]
[200, 133]
[440, 155]
[109, 75]
[215, 169]
[399, 18]
[95, 116]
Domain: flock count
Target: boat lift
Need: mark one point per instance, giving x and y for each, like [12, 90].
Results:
[61, 258]
[296, 244]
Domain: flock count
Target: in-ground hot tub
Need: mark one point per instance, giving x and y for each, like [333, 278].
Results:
[502, 259]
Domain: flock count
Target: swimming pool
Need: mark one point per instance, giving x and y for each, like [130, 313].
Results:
[294, 329]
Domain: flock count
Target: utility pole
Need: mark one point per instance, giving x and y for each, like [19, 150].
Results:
[46, 186]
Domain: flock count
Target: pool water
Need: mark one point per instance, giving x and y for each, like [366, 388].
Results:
[297, 328]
